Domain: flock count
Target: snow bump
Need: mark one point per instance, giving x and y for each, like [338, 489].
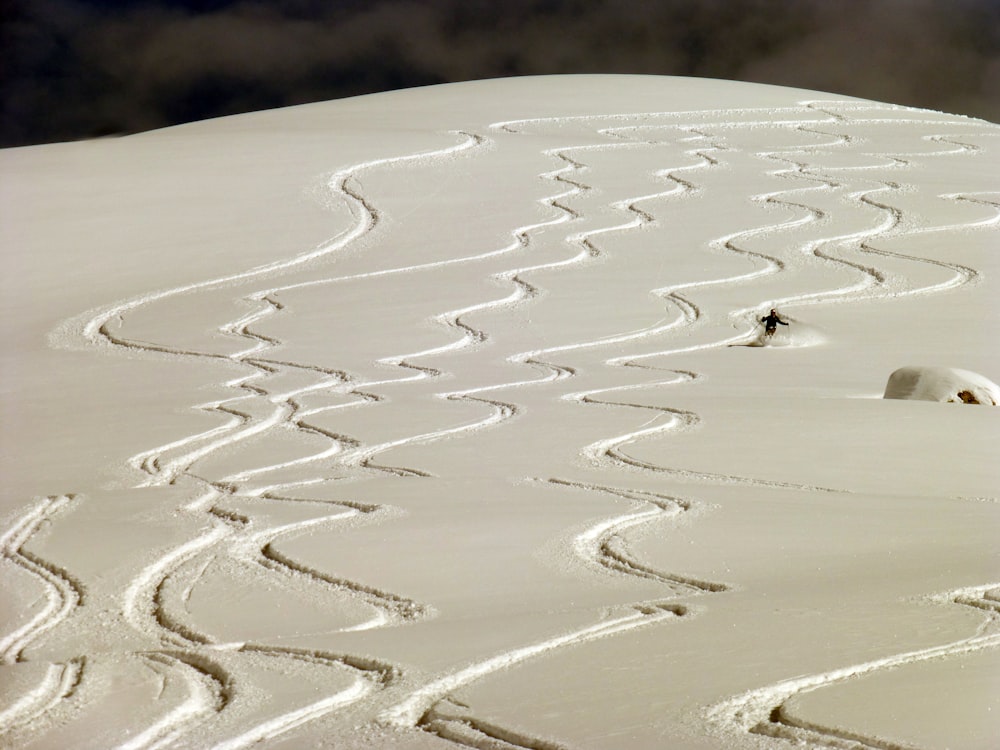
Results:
[943, 384]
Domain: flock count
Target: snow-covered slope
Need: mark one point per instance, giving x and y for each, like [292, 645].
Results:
[443, 417]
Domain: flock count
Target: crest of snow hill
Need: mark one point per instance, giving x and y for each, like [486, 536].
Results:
[944, 384]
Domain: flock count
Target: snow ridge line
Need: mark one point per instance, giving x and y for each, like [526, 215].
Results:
[791, 117]
[271, 729]
[762, 711]
[696, 117]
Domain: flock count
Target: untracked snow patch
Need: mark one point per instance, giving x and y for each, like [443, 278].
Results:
[946, 384]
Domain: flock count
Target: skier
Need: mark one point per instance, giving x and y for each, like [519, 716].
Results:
[771, 322]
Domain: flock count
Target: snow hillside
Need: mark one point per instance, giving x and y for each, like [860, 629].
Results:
[444, 418]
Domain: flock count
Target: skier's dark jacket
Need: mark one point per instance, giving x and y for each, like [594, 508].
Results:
[770, 321]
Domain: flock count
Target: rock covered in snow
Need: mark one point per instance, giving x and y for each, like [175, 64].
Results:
[946, 384]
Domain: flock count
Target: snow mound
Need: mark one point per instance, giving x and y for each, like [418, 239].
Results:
[946, 384]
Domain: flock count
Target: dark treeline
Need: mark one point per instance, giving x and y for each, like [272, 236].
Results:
[84, 68]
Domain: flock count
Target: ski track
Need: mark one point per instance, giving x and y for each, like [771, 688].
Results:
[58, 684]
[413, 712]
[143, 606]
[604, 544]
[255, 409]
[63, 593]
[596, 544]
[762, 711]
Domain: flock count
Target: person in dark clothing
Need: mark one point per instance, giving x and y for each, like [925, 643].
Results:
[771, 321]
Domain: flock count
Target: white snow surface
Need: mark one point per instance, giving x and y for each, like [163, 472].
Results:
[443, 418]
[948, 384]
